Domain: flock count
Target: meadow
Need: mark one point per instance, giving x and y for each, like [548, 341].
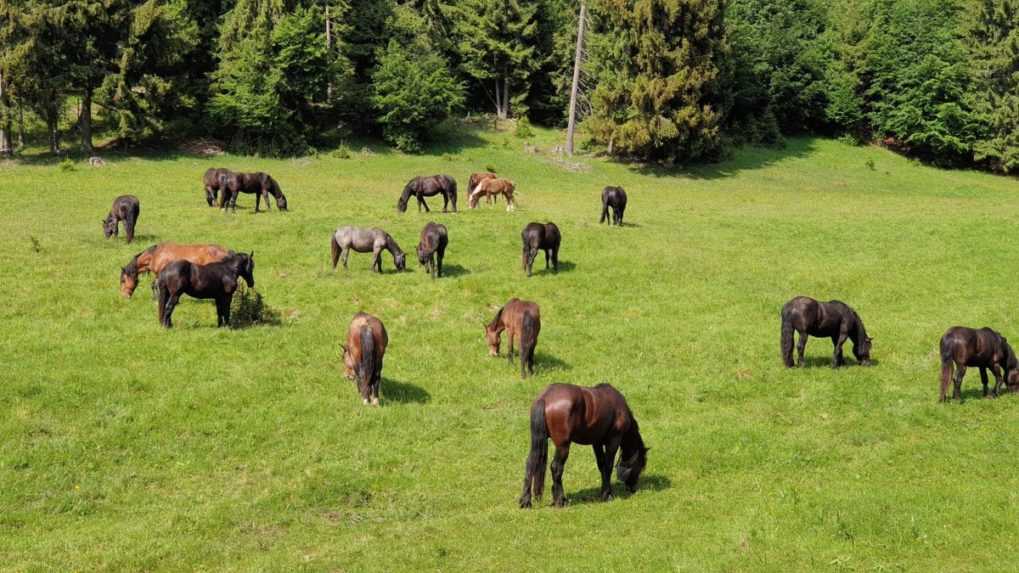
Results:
[124, 446]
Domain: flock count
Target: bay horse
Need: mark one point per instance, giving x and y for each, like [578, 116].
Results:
[492, 188]
[614, 198]
[125, 208]
[833, 319]
[157, 257]
[984, 348]
[421, 187]
[477, 178]
[214, 181]
[432, 247]
[215, 280]
[599, 417]
[362, 355]
[364, 240]
[537, 236]
[521, 319]
[259, 183]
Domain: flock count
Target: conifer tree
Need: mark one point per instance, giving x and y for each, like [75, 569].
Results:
[995, 58]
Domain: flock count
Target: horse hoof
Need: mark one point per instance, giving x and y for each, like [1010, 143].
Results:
[525, 504]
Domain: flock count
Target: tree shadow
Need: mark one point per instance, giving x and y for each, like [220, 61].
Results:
[453, 271]
[404, 392]
[655, 482]
[748, 158]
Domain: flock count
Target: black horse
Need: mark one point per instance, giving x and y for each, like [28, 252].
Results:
[984, 348]
[125, 208]
[833, 319]
[214, 180]
[432, 248]
[615, 198]
[214, 280]
[261, 184]
[422, 187]
[535, 237]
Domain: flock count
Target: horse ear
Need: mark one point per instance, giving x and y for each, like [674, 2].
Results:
[252, 255]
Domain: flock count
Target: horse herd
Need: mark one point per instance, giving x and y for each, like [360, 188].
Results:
[597, 416]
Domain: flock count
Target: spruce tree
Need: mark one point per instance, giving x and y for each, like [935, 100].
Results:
[994, 54]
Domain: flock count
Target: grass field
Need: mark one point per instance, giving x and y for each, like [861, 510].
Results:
[127, 447]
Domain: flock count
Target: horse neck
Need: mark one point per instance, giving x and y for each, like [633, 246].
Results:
[497, 324]
[632, 441]
[392, 247]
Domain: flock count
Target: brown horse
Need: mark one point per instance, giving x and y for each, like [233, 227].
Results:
[157, 257]
[432, 248]
[261, 184]
[538, 237]
[421, 187]
[984, 348]
[477, 178]
[362, 355]
[125, 208]
[492, 188]
[598, 417]
[833, 319]
[217, 281]
[520, 319]
[214, 181]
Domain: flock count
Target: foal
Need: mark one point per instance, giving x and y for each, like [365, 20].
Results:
[432, 248]
[520, 319]
[615, 198]
[984, 348]
[475, 180]
[214, 280]
[125, 208]
[535, 237]
[362, 355]
[492, 188]
[833, 319]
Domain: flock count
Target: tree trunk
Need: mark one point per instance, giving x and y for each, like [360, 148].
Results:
[86, 121]
[54, 131]
[505, 97]
[572, 125]
[498, 103]
[6, 149]
[329, 52]
[21, 126]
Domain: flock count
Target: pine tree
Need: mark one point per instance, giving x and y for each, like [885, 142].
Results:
[995, 56]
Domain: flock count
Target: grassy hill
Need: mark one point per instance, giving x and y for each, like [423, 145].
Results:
[124, 446]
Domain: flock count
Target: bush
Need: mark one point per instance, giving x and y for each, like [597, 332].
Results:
[248, 309]
[523, 129]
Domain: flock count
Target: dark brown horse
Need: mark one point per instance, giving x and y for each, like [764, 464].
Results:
[214, 181]
[157, 257]
[477, 178]
[614, 198]
[535, 237]
[261, 184]
[521, 319]
[984, 348]
[833, 319]
[432, 248]
[598, 417]
[421, 187]
[125, 208]
[362, 355]
[215, 280]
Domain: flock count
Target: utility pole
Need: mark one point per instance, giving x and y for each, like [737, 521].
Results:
[572, 126]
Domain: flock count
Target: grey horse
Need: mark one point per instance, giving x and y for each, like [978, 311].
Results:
[365, 240]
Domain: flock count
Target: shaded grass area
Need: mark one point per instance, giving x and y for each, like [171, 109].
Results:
[124, 446]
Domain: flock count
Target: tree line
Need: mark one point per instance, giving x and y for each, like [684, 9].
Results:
[671, 81]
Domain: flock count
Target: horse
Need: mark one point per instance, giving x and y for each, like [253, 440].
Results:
[834, 319]
[362, 355]
[125, 208]
[520, 319]
[259, 183]
[984, 348]
[535, 237]
[422, 187]
[214, 181]
[492, 188]
[365, 240]
[615, 198]
[157, 257]
[477, 178]
[599, 417]
[432, 247]
[215, 280]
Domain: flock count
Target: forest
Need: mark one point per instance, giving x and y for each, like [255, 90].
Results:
[665, 81]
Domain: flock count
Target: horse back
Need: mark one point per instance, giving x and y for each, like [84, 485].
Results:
[379, 335]
[973, 347]
[515, 310]
[167, 253]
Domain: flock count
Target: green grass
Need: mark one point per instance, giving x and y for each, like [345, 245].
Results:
[127, 447]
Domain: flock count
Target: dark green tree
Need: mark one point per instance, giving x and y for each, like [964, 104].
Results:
[994, 53]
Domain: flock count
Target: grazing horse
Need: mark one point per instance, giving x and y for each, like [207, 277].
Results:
[985, 348]
[261, 184]
[362, 355]
[535, 237]
[833, 319]
[598, 417]
[521, 319]
[215, 181]
[615, 198]
[155, 258]
[422, 187]
[477, 178]
[492, 188]
[432, 247]
[365, 240]
[214, 280]
[125, 208]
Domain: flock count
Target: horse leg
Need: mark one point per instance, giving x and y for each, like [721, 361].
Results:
[171, 303]
[837, 357]
[960, 371]
[441, 253]
[377, 259]
[345, 255]
[509, 338]
[599, 458]
[258, 201]
[801, 345]
[998, 380]
[611, 447]
[558, 465]
[983, 380]
[445, 202]
[555, 259]
[432, 264]
[548, 258]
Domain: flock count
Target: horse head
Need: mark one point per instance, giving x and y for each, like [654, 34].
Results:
[109, 225]
[348, 362]
[128, 281]
[408, 190]
[492, 335]
[400, 260]
[861, 347]
[246, 267]
[628, 469]
[423, 254]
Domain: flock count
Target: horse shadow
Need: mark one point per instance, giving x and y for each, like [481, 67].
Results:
[145, 237]
[544, 362]
[654, 482]
[404, 392]
[454, 271]
[564, 267]
[825, 362]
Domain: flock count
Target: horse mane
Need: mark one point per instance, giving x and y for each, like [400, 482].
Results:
[632, 442]
[498, 317]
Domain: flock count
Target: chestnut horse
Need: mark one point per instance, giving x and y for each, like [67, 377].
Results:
[535, 237]
[598, 417]
[477, 178]
[362, 355]
[833, 319]
[156, 257]
[261, 184]
[614, 198]
[217, 281]
[214, 182]
[125, 208]
[984, 348]
[492, 188]
[421, 187]
[432, 248]
[520, 319]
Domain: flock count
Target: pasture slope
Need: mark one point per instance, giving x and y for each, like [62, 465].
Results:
[126, 447]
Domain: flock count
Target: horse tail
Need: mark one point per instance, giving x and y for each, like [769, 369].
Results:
[528, 340]
[452, 191]
[132, 218]
[537, 459]
[787, 339]
[604, 208]
[368, 367]
[336, 251]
